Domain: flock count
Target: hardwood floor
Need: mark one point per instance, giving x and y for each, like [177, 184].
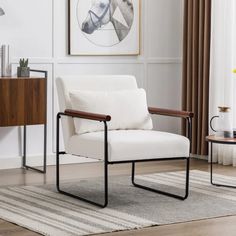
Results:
[219, 226]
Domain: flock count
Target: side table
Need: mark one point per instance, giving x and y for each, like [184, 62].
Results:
[212, 139]
[23, 101]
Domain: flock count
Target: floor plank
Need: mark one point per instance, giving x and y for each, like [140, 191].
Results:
[220, 226]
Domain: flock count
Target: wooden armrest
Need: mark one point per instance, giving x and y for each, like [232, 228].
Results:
[167, 112]
[87, 115]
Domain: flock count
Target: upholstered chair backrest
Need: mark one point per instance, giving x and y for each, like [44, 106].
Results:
[65, 84]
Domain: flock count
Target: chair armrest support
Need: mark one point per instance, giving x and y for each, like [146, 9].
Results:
[167, 112]
[86, 115]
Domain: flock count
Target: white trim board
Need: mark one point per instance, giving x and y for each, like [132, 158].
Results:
[35, 161]
[105, 60]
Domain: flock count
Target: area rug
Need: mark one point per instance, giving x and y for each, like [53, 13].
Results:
[43, 210]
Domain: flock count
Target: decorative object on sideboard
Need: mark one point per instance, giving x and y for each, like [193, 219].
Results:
[1, 73]
[2, 12]
[225, 128]
[23, 70]
[5, 61]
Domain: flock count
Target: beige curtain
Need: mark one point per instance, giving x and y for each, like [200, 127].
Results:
[196, 63]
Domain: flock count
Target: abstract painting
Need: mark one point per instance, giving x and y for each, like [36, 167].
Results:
[104, 27]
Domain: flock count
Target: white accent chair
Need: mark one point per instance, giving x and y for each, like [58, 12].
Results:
[116, 146]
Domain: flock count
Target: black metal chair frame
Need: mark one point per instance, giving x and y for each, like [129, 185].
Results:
[107, 163]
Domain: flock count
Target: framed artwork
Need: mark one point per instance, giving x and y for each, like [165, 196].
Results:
[104, 27]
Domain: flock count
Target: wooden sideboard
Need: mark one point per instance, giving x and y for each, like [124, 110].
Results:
[23, 102]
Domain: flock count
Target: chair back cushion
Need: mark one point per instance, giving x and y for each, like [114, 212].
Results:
[128, 109]
[65, 84]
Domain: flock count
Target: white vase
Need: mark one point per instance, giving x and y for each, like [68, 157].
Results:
[5, 61]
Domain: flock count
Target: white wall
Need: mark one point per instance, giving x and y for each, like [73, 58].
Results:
[37, 29]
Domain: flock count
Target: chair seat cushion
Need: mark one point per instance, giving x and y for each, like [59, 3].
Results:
[127, 145]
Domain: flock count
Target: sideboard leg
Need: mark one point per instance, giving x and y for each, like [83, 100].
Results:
[24, 164]
[45, 133]
[24, 147]
[45, 149]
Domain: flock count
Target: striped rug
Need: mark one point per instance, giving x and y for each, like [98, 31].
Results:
[53, 214]
[43, 210]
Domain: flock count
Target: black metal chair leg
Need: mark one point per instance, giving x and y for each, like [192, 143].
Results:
[103, 205]
[162, 192]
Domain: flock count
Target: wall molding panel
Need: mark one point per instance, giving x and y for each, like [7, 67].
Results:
[141, 60]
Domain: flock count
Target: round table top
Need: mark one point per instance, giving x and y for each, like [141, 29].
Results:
[222, 140]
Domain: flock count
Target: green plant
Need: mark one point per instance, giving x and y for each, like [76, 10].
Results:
[24, 62]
